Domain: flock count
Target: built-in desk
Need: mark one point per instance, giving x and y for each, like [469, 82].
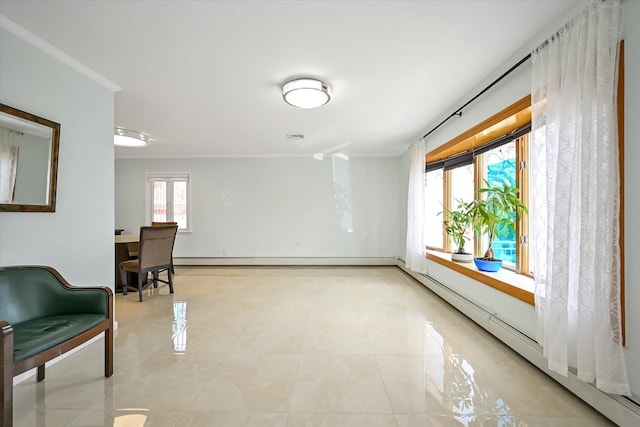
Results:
[122, 254]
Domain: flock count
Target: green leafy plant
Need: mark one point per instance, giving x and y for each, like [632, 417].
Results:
[458, 223]
[496, 211]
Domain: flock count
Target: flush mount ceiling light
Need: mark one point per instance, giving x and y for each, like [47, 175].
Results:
[129, 138]
[306, 93]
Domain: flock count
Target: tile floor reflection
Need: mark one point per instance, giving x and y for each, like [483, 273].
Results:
[294, 347]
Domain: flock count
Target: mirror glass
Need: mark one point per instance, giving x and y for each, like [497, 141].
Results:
[28, 161]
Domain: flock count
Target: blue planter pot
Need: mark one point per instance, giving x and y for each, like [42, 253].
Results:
[490, 266]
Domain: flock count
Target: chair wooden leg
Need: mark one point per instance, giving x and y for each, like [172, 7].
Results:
[140, 286]
[40, 373]
[124, 276]
[170, 275]
[108, 352]
[6, 414]
[6, 374]
[155, 275]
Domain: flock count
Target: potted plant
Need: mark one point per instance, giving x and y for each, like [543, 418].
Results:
[496, 212]
[457, 224]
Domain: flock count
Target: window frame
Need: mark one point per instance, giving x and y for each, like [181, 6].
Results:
[521, 143]
[442, 233]
[522, 225]
[514, 117]
[450, 201]
[169, 178]
[518, 114]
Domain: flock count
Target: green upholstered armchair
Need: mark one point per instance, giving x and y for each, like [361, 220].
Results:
[41, 317]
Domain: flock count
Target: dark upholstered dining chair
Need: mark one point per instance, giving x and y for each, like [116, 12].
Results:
[134, 247]
[164, 224]
[154, 256]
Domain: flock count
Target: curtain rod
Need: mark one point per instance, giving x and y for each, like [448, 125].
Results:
[458, 112]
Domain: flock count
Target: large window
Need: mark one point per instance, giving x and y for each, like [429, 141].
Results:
[168, 198]
[493, 145]
[496, 163]
[496, 155]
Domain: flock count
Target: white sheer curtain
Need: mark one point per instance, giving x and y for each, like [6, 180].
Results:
[576, 198]
[415, 254]
[8, 163]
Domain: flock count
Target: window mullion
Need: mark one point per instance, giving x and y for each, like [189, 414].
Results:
[169, 205]
[522, 225]
[446, 207]
[478, 180]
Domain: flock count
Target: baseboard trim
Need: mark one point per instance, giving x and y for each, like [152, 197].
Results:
[621, 410]
[285, 261]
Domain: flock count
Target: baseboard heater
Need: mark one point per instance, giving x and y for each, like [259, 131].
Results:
[619, 409]
[285, 261]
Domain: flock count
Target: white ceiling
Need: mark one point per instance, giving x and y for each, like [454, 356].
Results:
[203, 78]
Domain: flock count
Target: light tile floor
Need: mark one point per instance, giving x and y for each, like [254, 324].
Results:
[295, 347]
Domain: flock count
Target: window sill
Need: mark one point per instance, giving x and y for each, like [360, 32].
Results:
[507, 281]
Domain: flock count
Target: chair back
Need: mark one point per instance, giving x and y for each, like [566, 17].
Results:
[156, 246]
[162, 224]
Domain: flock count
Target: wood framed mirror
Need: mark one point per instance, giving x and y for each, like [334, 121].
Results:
[29, 148]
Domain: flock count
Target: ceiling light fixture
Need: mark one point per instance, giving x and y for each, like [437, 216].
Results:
[306, 93]
[129, 138]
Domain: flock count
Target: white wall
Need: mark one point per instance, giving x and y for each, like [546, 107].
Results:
[77, 239]
[275, 207]
[517, 85]
[513, 87]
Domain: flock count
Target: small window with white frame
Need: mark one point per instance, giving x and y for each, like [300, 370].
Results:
[168, 198]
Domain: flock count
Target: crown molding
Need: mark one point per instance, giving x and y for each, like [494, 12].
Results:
[16, 29]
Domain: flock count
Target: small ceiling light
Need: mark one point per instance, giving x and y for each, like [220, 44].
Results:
[129, 138]
[306, 93]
